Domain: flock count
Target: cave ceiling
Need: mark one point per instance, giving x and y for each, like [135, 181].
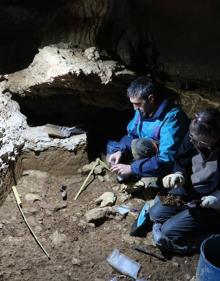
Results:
[181, 37]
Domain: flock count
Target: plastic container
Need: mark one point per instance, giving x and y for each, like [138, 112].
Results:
[208, 268]
[123, 264]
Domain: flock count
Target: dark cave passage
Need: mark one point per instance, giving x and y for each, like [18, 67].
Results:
[101, 124]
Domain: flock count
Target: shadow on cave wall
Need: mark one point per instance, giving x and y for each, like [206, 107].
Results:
[21, 27]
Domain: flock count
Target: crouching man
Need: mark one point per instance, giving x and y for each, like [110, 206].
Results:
[156, 118]
[196, 179]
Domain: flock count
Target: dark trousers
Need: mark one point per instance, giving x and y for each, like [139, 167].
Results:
[179, 223]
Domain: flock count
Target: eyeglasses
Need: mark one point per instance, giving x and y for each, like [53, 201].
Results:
[202, 144]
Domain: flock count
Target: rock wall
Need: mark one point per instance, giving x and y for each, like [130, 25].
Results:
[92, 50]
[63, 69]
[12, 124]
[179, 37]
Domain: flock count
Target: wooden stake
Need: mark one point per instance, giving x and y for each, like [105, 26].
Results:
[85, 181]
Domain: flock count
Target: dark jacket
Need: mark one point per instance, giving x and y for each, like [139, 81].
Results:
[201, 169]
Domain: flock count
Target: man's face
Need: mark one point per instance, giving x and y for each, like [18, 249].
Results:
[201, 141]
[143, 105]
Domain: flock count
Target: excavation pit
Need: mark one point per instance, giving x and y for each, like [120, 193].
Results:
[78, 249]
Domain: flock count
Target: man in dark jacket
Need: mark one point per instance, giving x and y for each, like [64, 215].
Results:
[157, 118]
[196, 177]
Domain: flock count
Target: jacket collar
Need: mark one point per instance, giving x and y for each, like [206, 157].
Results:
[159, 110]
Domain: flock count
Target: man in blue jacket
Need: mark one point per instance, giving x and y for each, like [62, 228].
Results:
[156, 118]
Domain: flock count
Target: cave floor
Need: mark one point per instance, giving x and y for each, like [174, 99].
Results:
[78, 250]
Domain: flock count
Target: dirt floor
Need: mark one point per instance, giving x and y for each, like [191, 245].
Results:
[78, 249]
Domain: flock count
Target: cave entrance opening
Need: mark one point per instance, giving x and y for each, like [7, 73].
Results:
[101, 123]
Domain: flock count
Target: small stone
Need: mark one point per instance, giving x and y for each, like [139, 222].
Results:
[31, 197]
[87, 168]
[57, 238]
[128, 239]
[90, 224]
[78, 215]
[75, 261]
[82, 223]
[74, 219]
[116, 188]
[134, 187]
[124, 197]
[38, 228]
[176, 264]
[1, 225]
[100, 178]
[32, 221]
[99, 170]
[187, 276]
[123, 187]
[107, 178]
[97, 214]
[31, 210]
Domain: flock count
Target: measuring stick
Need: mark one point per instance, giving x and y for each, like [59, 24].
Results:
[18, 201]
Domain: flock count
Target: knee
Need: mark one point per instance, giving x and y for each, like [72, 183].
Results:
[167, 230]
[170, 229]
[156, 213]
[143, 147]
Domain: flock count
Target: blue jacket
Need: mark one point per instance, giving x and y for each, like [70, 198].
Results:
[167, 126]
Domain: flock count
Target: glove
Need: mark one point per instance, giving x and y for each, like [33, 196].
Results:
[212, 201]
[106, 199]
[173, 180]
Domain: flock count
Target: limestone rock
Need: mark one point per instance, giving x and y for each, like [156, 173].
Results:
[106, 199]
[98, 214]
[107, 178]
[76, 261]
[101, 178]
[134, 187]
[124, 197]
[99, 169]
[31, 197]
[57, 238]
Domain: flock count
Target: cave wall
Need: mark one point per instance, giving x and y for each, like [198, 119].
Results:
[182, 37]
[186, 33]
[84, 53]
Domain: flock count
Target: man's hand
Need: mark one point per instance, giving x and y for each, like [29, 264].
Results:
[212, 200]
[114, 158]
[121, 169]
[173, 180]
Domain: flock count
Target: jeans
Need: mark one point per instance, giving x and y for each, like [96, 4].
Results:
[182, 225]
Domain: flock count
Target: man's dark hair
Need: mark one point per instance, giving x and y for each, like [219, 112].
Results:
[206, 122]
[143, 87]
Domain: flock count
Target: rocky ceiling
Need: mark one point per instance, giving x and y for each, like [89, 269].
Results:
[57, 56]
[181, 37]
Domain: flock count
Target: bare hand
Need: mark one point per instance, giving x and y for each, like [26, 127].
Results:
[114, 158]
[121, 169]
